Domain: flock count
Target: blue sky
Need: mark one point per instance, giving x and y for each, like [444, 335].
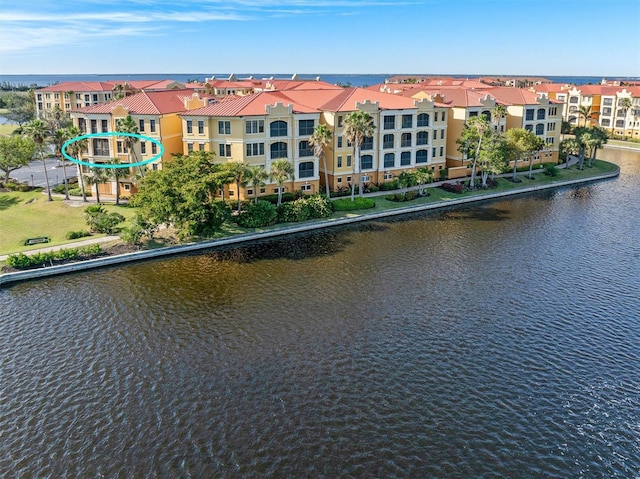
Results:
[519, 37]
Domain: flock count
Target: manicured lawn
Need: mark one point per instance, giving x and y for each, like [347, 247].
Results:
[30, 215]
[7, 129]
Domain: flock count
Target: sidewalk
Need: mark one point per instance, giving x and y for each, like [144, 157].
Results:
[71, 244]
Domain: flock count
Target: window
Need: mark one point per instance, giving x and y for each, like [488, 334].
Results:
[305, 169]
[305, 127]
[340, 179]
[539, 129]
[189, 126]
[305, 187]
[254, 126]
[126, 186]
[487, 115]
[279, 150]
[541, 113]
[606, 111]
[154, 167]
[339, 142]
[94, 126]
[442, 134]
[422, 138]
[405, 158]
[572, 119]
[201, 127]
[304, 149]
[607, 101]
[67, 106]
[443, 115]
[549, 140]
[190, 147]
[619, 123]
[56, 96]
[86, 97]
[224, 127]
[442, 151]
[389, 160]
[606, 122]
[339, 161]
[387, 141]
[388, 176]
[249, 192]
[95, 97]
[152, 126]
[423, 119]
[101, 147]
[82, 125]
[278, 128]
[389, 122]
[529, 114]
[366, 162]
[140, 125]
[367, 143]
[422, 156]
[435, 134]
[405, 140]
[551, 127]
[573, 99]
[104, 126]
[201, 146]
[407, 121]
[472, 114]
[255, 149]
[143, 147]
[225, 150]
[339, 121]
[573, 109]
[553, 111]
[621, 113]
[348, 161]
[433, 152]
[121, 148]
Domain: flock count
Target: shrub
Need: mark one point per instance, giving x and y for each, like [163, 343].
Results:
[42, 258]
[19, 261]
[358, 204]
[257, 215]
[132, 234]
[66, 254]
[452, 187]
[58, 188]
[78, 192]
[91, 249]
[13, 185]
[274, 198]
[491, 183]
[443, 174]
[294, 211]
[319, 206]
[390, 185]
[76, 234]
[551, 170]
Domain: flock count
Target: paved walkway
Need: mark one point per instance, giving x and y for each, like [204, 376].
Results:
[71, 244]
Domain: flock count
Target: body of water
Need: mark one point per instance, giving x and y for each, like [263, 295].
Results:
[499, 340]
[354, 80]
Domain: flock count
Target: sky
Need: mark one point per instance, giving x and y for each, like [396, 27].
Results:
[517, 37]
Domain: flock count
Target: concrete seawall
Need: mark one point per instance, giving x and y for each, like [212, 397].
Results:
[9, 278]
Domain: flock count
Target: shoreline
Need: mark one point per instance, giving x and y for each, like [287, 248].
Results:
[20, 276]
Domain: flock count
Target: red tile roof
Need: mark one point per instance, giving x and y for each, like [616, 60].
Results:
[145, 103]
[109, 85]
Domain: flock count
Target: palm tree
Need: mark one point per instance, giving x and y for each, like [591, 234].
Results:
[117, 174]
[520, 142]
[128, 125]
[585, 112]
[37, 131]
[570, 146]
[599, 138]
[423, 176]
[239, 172]
[257, 177]
[75, 150]
[281, 171]
[497, 114]
[320, 139]
[59, 137]
[624, 104]
[97, 177]
[357, 126]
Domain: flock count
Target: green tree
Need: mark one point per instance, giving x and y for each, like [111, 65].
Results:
[357, 126]
[406, 180]
[58, 138]
[520, 142]
[257, 178]
[321, 139]
[15, 152]
[117, 175]
[624, 105]
[128, 125]
[55, 119]
[37, 131]
[598, 140]
[239, 173]
[492, 156]
[74, 150]
[281, 171]
[97, 177]
[423, 176]
[183, 194]
[497, 114]
[20, 108]
[570, 146]
[470, 142]
[586, 113]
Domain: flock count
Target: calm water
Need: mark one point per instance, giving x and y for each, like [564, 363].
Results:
[496, 341]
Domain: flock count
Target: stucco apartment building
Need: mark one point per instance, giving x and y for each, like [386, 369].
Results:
[260, 128]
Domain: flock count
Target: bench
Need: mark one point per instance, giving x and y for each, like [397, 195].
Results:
[30, 241]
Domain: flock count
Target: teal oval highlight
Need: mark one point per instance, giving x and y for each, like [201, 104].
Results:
[111, 133]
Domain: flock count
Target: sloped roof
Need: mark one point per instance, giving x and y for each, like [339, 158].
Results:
[109, 85]
[144, 103]
[250, 105]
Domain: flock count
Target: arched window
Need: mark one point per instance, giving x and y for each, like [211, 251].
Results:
[486, 114]
[305, 169]
[573, 119]
[389, 160]
[540, 114]
[405, 158]
[405, 140]
[279, 150]
[367, 143]
[387, 141]
[423, 119]
[366, 162]
[422, 138]
[304, 149]
[422, 156]
[278, 128]
[540, 129]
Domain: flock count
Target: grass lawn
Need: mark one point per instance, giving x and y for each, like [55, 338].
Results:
[30, 215]
[7, 129]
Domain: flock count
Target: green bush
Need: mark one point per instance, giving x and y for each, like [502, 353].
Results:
[257, 215]
[58, 188]
[345, 204]
[390, 185]
[294, 211]
[91, 249]
[551, 170]
[444, 173]
[78, 192]
[101, 221]
[76, 234]
[42, 258]
[319, 206]
[286, 197]
[19, 261]
[22, 261]
[132, 234]
[66, 253]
